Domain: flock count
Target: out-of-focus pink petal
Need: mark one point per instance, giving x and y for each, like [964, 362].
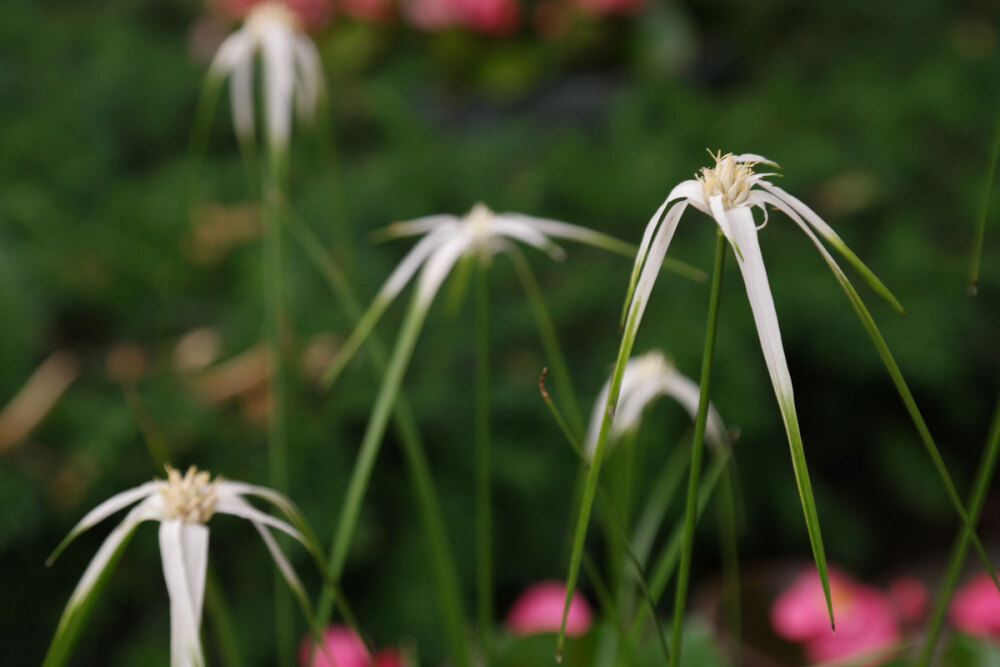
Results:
[339, 643]
[609, 6]
[388, 657]
[800, 611]
[975, 609]
[495, 17]
[314, 14]
[539, 609]
[431, 15]
[909, 597]
[868, 625]
[366, 10]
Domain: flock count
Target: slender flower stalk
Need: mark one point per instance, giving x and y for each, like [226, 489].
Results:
[484, 523]
[183, 504]
[728, 193]
[984, 207]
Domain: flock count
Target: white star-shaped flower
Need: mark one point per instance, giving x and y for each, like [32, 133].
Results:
[292, 74]
[646, 378]
[183, 504]
[448, 238]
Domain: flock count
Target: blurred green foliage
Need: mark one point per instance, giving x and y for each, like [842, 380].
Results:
[880, 113]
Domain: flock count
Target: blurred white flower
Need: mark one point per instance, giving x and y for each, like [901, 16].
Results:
[182, 504]
[292, 74]
[448, 238]
[646, 378]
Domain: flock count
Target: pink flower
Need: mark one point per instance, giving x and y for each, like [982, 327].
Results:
[539, 609]
[496, 17]
[609, 6]
[866, 620]
[975, 608]
[314, 14]
[366, 10]
[909, 597]
[341, 648]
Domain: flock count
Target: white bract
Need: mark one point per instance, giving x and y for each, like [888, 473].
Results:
[292, 72]
[447, 239]
[646, 378]
[183, 504]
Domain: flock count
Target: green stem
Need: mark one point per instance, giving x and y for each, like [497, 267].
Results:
[980, 231]
[550, 341]
[222, 623]
[984, 476]
[697, 447]
[370, 445]
[274, 315]
[729, 542]
[428, 506]
[484, 566]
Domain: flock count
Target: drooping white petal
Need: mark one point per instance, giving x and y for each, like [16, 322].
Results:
[565, 230]
[284, 566]
[185, 617]
[236, 506]
[686, 391]
[654, 260]
[521, 231]
[147, 510]
[722, 219]
[831, 237]
[423, 249]
[279, 83]
[115, 503]
[194, 543]
[753, 157]
[235, 49]
[422, 225]
[241, 98]
[438, 267]
[751, 265]
[310, 75]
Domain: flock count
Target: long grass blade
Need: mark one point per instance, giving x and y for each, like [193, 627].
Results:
[984, 206]
[428, 506]
[484, 528]
[984, 476]
[697, 447]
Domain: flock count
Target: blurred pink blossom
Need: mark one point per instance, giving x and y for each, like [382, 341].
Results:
[909, 597]
[389, 658]
[314, 14]
[367, 10]
[975, 609]
[540, 607]
[341, 648]
[496, 17]
[609, 6]
[866, 620]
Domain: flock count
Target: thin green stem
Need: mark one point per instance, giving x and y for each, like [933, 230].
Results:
[370, 445]
[697, 447]
[222, 623]
[729, 543]
[484, 546]
[428, 506]
[984, 206]
[550, 340]
[984, 476]
[274, 323]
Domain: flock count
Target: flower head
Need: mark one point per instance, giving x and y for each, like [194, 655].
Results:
[292, 71]
[647, 377]
[448, 238]
[183, 504]
[540, 608]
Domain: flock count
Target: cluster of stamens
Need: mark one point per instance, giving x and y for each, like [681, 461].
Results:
[268, 13]
[479, 222]
[729, 179]
[190, 497]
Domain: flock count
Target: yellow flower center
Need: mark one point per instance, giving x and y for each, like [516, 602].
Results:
[268, 13]
[729, 179]
[189, 497]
